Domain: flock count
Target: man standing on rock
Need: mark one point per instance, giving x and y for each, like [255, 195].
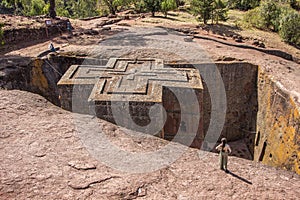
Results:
[224, 149]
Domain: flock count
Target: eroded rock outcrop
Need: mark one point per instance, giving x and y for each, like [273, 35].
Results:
[278, 122]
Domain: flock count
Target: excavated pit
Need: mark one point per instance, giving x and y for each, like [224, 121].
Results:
[261, 123]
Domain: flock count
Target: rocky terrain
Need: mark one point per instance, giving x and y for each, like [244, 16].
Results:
[219, 43]
[42, 156]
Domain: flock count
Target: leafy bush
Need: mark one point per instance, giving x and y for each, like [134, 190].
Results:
[202, 9]
[252, 18]
[139, 6]
[243, 4]
[290, 27]
[152, 6]
[167, 5]
[276, 17]
[266, 16]
[209, 9]
[269, 13]
[63, 8]
[7, 3]
[219, 11]
[84, 8]
[77, 8]
[32, 7]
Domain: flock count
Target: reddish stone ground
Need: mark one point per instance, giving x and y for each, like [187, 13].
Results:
[43, 157]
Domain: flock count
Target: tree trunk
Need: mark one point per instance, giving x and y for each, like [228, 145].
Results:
[52, 11]
[204, 18]
[112, 10]
[153, 13]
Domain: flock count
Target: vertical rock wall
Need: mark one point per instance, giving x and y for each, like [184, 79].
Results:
[46, 72]
[278, 121]
[13, 36]
[15, 73]
[138, 111]
[39, 75]
[240, 81]
[183, 116]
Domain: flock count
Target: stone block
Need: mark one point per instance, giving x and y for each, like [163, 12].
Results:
[134, 86]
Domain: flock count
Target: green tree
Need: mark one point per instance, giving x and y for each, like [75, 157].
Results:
[112, 6]
[289, 27]
[8, 3]
[11, 4]
[31, 7]
[167, 5]
[84, 8]
[37, 7]
[16, 5]
[139, 5]
[266, 16]
[203, 9]
[219, 11]
[52, 11]
[77, 8]
[252, 18]
[152, 6]
[269, 13]
[243, 4]
[277, 16]
[64, 8]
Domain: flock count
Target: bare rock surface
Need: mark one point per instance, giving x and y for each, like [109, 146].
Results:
[42, 157]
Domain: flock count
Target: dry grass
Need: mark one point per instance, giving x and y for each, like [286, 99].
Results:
[271, 39]
[234, 25]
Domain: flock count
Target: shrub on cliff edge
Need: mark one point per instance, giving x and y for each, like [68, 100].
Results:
[289, 27]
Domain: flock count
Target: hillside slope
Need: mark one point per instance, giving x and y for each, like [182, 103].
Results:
[43, 157]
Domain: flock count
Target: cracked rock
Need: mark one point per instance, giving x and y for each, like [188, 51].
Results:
[84, 183]
[79, 165]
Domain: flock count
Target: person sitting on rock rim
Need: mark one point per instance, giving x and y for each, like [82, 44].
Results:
[51, 47]
[224, 149]
[69, 28]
